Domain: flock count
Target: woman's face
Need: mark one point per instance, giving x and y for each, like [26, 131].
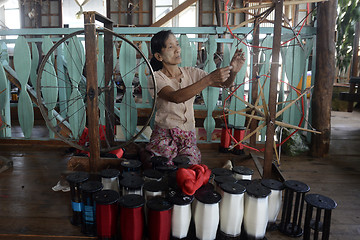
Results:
[170, 54]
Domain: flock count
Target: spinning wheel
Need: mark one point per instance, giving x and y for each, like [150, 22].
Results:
[62, 91]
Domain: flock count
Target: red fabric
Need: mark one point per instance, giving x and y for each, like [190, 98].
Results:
[84, 141]
[192, 178]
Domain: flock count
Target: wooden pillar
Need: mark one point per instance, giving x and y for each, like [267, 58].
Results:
[324, 77]
[92, 90]
[270, 127]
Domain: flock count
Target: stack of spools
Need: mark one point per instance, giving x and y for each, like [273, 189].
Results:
[151, 204]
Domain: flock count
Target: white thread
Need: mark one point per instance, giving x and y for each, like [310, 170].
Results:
[180, 220]
[206, 220]
[231, 213]
[110, 183]
[275, 201]
[255, 216]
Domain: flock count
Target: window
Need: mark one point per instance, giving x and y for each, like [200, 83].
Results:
[11, 14]
[186, 18]
[70, 8]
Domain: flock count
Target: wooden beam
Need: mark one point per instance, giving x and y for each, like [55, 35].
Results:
[324, 77]
[92, 90]
[173, 13]
[270, 129]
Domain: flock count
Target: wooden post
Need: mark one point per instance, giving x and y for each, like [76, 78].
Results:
[355, 62]
[255, 72]
[270, 127]
[92, 90]
[324, 77]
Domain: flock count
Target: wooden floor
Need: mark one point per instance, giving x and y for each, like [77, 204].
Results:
[29, 209]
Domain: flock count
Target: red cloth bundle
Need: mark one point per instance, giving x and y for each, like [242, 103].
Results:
[191, 179]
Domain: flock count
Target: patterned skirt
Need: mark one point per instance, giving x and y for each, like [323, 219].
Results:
[173, 142]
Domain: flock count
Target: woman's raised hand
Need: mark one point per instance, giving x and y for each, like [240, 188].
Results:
[237, 60]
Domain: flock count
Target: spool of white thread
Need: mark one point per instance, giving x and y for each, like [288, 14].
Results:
[241, 172]
[154, 188]
[110, 179]
[222, 179]
[181, 214]
[256, 210]
[275, 198]
[207, 214]
[206, 187]
[231, 208]
[132, 185]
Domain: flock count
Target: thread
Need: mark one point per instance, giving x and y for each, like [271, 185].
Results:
[75, 181]
[132, 185]
[206, 216]
[239, 134]
[106, 213]
[181, 214]
[88, 224]
[232, 209]
[225, 140]
[275, 198]
[159, 218]
[110, 179]
[256, 210]
[242, 173]
[132, 217]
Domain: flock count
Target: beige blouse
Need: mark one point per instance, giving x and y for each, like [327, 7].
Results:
[170, 115]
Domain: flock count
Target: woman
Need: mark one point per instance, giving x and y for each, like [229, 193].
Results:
[174, 131]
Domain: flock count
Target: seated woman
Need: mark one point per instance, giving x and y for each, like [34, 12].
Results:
[174, 131]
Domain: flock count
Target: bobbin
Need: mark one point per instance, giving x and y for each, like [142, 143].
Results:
[110, 179]
[242, 172]
[131, 165]
[88, 224]
[219, 172]
[132, 185]
[106, 214]
[231, 209]
[256, 210]
[239, 134]
[75, 180]
[206, 216]
[181, 214]
[181, 160]
[131, 217]
[159, 218]
[158, 161]
[275, 200]
[154, 188]
[225, 140]
[223, 179]
[292, 210]
[152, 174]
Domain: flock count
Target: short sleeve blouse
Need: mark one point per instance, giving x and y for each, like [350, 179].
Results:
[170, 115]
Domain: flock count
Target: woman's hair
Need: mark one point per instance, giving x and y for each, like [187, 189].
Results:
[157, 43]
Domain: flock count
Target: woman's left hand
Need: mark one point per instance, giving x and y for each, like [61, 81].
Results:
[237, 60]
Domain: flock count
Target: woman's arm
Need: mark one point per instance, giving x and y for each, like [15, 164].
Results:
[222, 77]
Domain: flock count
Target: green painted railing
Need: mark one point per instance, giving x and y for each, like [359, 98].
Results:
[25, 59]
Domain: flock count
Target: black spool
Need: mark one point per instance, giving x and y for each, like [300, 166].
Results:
[221, 172]
[181, 160]
[152, 174]
[75, 180]
[131, 165]
[88, 189]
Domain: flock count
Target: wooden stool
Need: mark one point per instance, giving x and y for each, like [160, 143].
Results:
[291, 217]
[318, 202]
